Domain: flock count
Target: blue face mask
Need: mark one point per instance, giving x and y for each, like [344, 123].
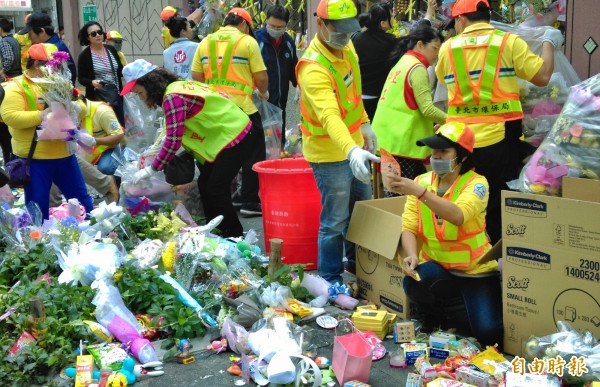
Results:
[442, 167]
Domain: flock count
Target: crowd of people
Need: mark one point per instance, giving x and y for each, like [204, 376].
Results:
[361, 90]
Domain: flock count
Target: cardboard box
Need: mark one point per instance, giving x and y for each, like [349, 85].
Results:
[551, 266]
[581, 189]
[471, 376]
[375, 227]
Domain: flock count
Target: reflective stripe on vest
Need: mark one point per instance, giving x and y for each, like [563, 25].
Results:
[351, 110]
[29, 95]
[215, 126]
[445, 243]
[481, 101]
[224, 77]
[88, 124]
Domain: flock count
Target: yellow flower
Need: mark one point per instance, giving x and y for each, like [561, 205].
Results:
[117, 276]
[168, 257]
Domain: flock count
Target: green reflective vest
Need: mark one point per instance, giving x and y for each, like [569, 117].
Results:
[218, 123]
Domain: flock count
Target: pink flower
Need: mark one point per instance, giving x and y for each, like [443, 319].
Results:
[58, 58]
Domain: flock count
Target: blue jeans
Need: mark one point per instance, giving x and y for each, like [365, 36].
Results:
[107, 163]
[482, 298]
[65, 173]
[339, 191]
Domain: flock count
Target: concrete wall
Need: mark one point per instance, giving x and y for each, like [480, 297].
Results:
[137, 20]
[582, 23]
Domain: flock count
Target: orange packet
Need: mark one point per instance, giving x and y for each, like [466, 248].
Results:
[410, 272]
[389, 167]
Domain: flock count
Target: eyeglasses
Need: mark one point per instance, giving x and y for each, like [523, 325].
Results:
[93, 34]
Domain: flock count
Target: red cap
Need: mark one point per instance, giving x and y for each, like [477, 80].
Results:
[466, 6]
[167, 13]
[241, 12]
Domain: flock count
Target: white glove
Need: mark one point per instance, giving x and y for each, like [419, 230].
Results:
[264, 96]
[85, 139]
[369, 136]
[554, 37]
[358, 163]
[143, 174]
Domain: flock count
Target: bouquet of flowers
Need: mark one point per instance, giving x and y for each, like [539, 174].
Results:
[21, 228]
[56, 89]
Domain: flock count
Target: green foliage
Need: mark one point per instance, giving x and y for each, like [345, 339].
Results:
[291, 276]
[144, 292]
[66, 306]
[32, 264]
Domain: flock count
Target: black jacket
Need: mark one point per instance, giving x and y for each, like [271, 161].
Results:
[373, 47]
[85, 70]
[281, 65]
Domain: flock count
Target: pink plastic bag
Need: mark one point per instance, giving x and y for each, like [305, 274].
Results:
[57, 124]
[352, 356]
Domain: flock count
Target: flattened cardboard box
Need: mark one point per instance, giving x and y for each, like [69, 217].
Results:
[551, 266]
[375, 227]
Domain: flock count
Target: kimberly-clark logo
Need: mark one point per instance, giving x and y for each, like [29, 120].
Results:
[528, 258]
[525, 207]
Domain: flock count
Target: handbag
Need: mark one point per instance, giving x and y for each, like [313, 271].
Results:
[352, 355]
[109, 92]
[18, 168]
[181, 169]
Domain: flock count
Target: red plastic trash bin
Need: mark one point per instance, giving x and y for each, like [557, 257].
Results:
[291, 205]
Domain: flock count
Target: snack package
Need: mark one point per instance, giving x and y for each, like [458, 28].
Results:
[389, 167]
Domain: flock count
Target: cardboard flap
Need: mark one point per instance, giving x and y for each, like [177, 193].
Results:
[377, 225]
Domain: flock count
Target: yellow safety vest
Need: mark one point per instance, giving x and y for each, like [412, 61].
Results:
[168, 39]
[218, 123]
[222, 74]
[443, 242]
[482, 100]
[88, 124]
[351, 110]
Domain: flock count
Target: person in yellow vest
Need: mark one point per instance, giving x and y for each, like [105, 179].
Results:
[445, 212]
[230, 60]
[480, 67]
[51, 161]
[207, 124]
[335, 127]
[24, 43]
[405, 112]
[115, 39]
[102, 135]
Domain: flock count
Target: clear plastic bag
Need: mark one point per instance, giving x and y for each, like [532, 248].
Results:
[572, 146]
[293, 142]
[141, 123]
[272, 121]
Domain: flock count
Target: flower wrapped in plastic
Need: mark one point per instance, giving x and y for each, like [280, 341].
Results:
[57, 91]
[571, 148]
[319, 287]
[22, 227]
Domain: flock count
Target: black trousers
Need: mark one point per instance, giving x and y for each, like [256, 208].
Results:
[256, 153]
[500, 163]
[5, 144]
[215, 180]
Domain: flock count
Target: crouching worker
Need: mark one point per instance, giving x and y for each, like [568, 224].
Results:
[207, 124]
[445, 210]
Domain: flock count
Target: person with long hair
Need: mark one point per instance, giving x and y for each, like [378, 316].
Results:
[373, 47]
[52, 162]
[406, 112]
[99, 66]
[207, 124]
[180, 54]
[445, 211]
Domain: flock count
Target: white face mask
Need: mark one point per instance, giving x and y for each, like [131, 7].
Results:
[337, 40]
[275, 33]
[442, 167]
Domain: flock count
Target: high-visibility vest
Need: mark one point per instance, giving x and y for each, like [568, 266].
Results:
[482, 100]
[443, 242]
[398, 122]
[351, 108]
[25, 43]
[88, 124]
[215, 126]
[167, 37]
[29, 93]
[221, 73]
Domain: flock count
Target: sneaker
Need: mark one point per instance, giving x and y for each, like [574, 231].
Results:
[350, 267]
[251, 209]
